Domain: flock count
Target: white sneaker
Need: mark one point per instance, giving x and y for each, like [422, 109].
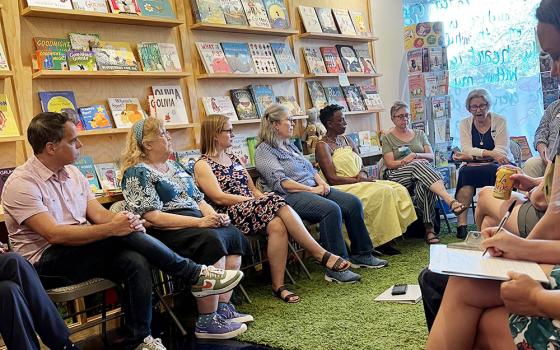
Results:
[151, 343]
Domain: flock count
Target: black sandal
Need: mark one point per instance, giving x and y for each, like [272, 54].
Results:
[339, 265]
[432, 240]
[290, 298]
[458, 210]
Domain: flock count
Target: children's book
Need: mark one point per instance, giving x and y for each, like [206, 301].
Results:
[314, 60]
[359, 22]
[52, 44]
[441, 159]
[240, 149]
[86, 166]
[233, 12]
[208, 11]
[524, 144]
[124, 6]
[431, 83]
[335, 96]
[439, 107]
[416, 86]
[349, 58]
[414, 59]
[309, 18]
[252, 148]
[435, 58]
[169, 98]
[291, 103]
[4, 174]
[125, 111]
[317, 94]
[277, 13]
[115, 55]
[366, 61]
[238, 57]
[57, 4]
[83, 42]
[58, 101]
[213, 57]
[188, 158]
[326, 20]
[156, 8]
[150, 57]
[353, 98]
[331, 59]
[263, 96]
[108, 175]
[256, 13]
[91, 5]
[284, 58]
[371, 97]
[3, 59]
[441, 130]
[219, 105]
[344, 22]
[263, 58]
[8, 124]
[95, 117]
[170, 57]
[81, 60]
[243, 103]
[417, 109]
[51, 60]
[420, 126]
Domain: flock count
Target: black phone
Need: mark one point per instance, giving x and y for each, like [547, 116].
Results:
[399, 289]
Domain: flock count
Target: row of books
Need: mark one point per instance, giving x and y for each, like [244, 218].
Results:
[437, 107]
[166, 103]
[254, 13]
[351, 98]
[432, 59]
[150, 8]
[338, 59]
[366, 140]
[248, 103]
[335, 21]
[85, 52]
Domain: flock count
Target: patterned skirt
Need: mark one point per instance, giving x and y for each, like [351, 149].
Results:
[252, 216]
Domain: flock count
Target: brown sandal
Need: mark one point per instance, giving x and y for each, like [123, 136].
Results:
[458, 210]
[290, 298]
[432, 240]
[339, 265]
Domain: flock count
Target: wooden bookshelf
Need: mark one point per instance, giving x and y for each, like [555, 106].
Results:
[364, 112]
[76, 15]
[248, 76]
[256, 121]
[116, 131]
[229, 28]
[338, 37]
[6, 74]
[12, 139]
[68, 74]
[348, 74]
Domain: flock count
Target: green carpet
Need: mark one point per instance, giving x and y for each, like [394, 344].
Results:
[332, 316]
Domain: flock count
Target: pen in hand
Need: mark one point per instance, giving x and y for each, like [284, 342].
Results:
[503, 221]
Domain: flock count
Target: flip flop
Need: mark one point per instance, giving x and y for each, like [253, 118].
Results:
[458, 210]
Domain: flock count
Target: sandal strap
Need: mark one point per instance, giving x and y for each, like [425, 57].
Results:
[338, 263]
[288, 298]
[325, 258]
[279, 291]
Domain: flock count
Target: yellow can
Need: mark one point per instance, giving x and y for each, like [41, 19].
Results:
[504, 184]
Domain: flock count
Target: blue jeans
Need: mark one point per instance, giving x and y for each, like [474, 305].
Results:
[26, 308]
[329, 211]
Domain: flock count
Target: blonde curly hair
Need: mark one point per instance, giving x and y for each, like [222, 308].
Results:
[134, 152]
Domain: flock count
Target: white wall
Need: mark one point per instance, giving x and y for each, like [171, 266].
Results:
[389, 51]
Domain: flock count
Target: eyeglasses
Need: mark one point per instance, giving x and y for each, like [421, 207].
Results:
[229, 131]
[474, 108]
[164, 133]
[402, 116]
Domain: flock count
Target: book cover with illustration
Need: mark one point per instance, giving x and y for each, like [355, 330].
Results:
[170, 57]
[243, 103]
[238, 57]
[326, 20]
[440, 107]
[349, 58]
[233, 12]
[277, 14]
[291, 103]
[441, 155]
[52, 44]
[417, 109]
[416, 86]
[445, 172]
[332, 59]
[441, 130]
[51, 60]
[156, 8]
[208, 11]
[284, 58]
[57, 4]
[83, 41]
[176, 112]
[359, 22]
[58, 101]
[309, 18]
[150, 57]
[435, 58]
[365, 59]
[372, 99]
[91, 5]
[414, 61]
[317, 94]
[3, 59]
[8, 124]
[81, 60]
[423, 35]
[213, 57]
[188, 158]
[314, 60]
[421, 126]
[240, 149]
[125, 111]
[129, 7]
[344, 22]
[115, 55]
[263, 96]
[86, 167]
[108, 175]
[263, 58]
[353, 98]
[335, 96]
[256, 13]
[219, 105]
[95, 117]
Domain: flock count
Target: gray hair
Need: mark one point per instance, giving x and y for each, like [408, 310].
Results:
[482, 93]
[267, 133]
[397, 105]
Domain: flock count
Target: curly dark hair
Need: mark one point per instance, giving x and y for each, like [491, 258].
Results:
[326, 114]
[549, 12]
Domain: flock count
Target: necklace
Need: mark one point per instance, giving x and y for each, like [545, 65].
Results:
[161, 168]
[336, 140]
[481, 137]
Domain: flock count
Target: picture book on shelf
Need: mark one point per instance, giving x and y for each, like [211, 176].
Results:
[51, 60]
[353, 98]
[317, 94]
[188, 158]
[233, 12]
[208, 11]
[416, 86]
[284, 58]
[291, 103]
[332, 60]
[238, 57]
[124, 6]
[335, 96]
[344, 22]
[365, 59]
[314, 60]
[372, 99]
[256, 13]
[108, 175]
[359, 22]
[263, 96]
[150, 57]
[219, 105]
[115, 55]
[156, 8]
[243, 103]
[441, 155]
[414, 59]
[169, 57]
[125, 111]
[213, 58]
[87, 168]
[81, 60]
[52, 44]
[417, 109]
[57, 4]
[309, 18]
[83, 42]
[8, 124]
[171, 100]
[240, 149]
[277, 14]
[441, 130]
[4, 174]
[354, 137]
[420, 126]
[3, 59]
[95, 117]
[326, 20]
[435, 57]
[440, 107]
[91, 5]
[263, 58]
[57, 101]
[349, 58]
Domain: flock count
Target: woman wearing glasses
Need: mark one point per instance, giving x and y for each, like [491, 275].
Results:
[485, 146]
[407, 155]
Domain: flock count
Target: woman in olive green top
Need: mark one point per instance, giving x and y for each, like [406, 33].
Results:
[407, 156]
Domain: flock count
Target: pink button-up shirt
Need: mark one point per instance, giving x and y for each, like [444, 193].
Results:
[34, 189]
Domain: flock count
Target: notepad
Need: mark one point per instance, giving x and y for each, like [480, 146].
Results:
[412, 295]
[470, 263]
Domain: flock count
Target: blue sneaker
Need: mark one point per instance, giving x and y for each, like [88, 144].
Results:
[368, 261]
[228, 312]
[345, 276]
[219, 328]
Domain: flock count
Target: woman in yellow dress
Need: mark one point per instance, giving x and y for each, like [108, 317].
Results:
[388, 209]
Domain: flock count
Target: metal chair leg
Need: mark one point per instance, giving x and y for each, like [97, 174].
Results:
[294, 251]
[444, 216]
[244, 292]
[290, 277]
[171, 313]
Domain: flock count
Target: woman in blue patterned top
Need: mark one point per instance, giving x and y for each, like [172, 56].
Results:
[164, 194]
[285, 170]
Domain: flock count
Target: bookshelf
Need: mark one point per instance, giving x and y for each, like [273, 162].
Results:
[229, 28]
[338, 37]
[248, 76]
[67, 74]
[348, 74]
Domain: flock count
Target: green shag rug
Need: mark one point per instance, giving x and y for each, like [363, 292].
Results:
[333, 316]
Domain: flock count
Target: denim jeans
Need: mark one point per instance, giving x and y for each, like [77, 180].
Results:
[26, 308]
[329, 211]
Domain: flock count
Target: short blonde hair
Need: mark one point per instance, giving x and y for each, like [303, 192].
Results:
[267, 133]
[134, 152]
[482, 93]
[210, 128]
[397, 105]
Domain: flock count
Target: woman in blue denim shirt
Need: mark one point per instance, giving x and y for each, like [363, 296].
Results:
[284, 170]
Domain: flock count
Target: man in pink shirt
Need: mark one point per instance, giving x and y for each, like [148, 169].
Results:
[55, 222]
